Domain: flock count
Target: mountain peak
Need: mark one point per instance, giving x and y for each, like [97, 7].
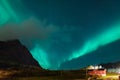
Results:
[13, 51]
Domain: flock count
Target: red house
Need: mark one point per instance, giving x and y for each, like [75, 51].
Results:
[96, 72]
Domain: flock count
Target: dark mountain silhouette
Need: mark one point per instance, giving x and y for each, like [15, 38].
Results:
[111, 65]
[104, 54]
[13, 52]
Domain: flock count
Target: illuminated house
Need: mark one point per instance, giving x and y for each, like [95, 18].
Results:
[96, 71]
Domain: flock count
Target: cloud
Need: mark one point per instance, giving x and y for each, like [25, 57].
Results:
[31, 29]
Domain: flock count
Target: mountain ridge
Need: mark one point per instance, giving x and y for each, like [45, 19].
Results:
[13, 51]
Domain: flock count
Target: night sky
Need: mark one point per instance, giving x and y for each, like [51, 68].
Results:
[64, 34]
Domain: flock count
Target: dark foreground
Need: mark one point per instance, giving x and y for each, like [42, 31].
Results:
[37, 74]
[40, 78]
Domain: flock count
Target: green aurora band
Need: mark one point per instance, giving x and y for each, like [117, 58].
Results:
[40, 55]
[6, 11]
[103, 38]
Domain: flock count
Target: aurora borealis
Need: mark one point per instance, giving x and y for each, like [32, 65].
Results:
[58, 31]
